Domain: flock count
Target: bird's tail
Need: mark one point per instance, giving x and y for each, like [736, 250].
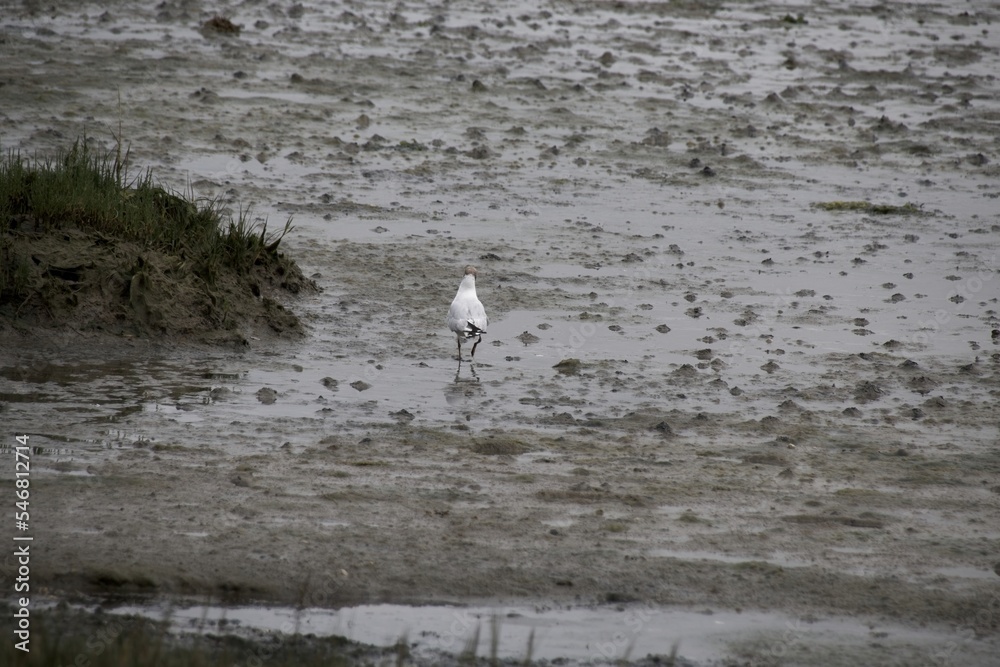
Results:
[472, 330]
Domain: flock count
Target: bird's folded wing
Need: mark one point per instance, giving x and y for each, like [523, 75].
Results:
[476, 316]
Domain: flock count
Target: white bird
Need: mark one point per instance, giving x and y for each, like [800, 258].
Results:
[467, 317]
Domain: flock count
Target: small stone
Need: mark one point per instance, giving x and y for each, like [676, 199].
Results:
[239, 480]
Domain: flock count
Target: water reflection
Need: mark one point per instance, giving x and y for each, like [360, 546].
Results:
[472, 377]
[464, 387]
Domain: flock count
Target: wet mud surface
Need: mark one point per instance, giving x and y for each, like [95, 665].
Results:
[781, 402]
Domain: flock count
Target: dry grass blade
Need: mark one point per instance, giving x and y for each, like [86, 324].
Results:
[468, 654]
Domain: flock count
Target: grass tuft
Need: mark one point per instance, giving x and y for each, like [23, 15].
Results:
[64, 636]
[468, 654]
[96, 192]
[868, 207]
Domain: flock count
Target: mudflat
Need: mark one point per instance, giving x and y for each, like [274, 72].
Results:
[741, 267]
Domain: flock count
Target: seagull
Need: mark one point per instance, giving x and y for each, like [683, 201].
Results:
[467, 317]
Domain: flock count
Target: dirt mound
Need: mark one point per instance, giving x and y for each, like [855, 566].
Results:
[90, 282]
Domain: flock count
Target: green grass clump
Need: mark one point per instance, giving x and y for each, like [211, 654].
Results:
[75, 638]
[868, 207]
[96, 193]
[794, 20]
[411, 145]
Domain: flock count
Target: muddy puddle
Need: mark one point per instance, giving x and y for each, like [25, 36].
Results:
[780, 411]
[545, 633]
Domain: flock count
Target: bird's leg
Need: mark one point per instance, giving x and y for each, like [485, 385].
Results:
[459, 338]
[478, 341]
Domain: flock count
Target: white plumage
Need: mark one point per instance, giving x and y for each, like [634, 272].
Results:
[467, 317]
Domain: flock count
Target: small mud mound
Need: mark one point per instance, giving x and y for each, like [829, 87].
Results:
[500, 446]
